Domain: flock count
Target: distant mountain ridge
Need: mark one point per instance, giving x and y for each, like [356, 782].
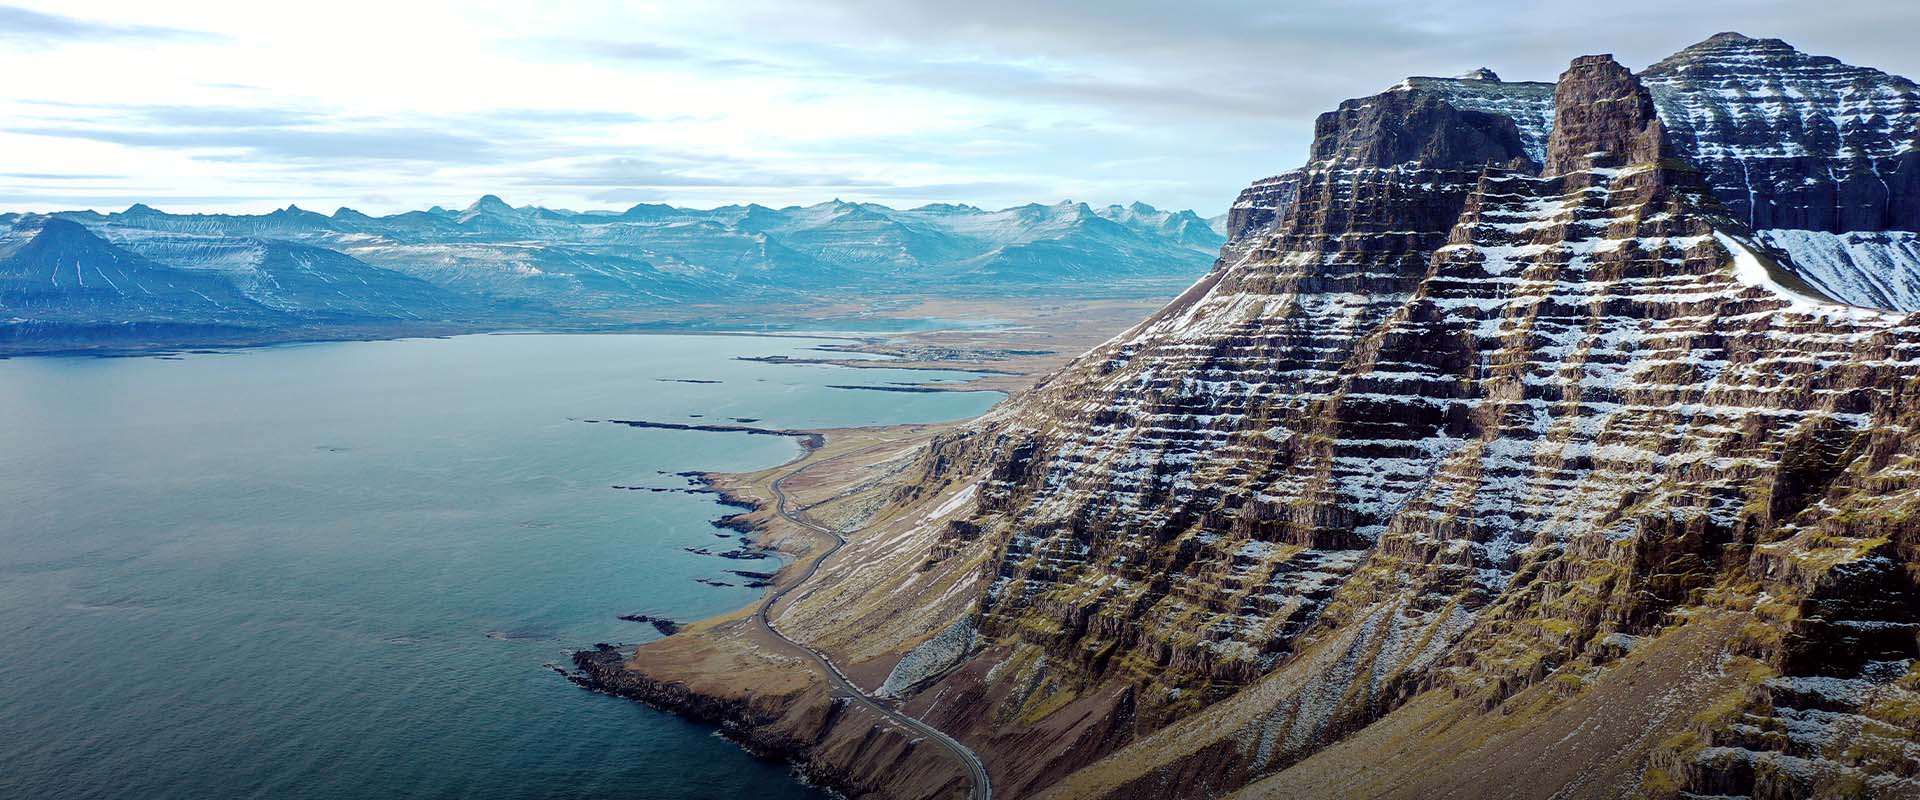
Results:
[492, 264]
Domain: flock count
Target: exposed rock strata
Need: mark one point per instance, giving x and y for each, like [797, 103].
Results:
[1503, 420]
[1452, 426]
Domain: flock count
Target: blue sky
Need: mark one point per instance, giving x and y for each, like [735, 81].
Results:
[388, 106]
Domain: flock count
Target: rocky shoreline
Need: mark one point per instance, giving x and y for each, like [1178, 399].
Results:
[830, 744]
[603, 668]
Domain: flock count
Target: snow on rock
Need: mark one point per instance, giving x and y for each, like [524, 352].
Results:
[1875, 269]
[931, 658]
[952, 504]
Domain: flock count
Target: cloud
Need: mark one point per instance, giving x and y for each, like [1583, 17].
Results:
[26, 26]
[629, 50]
[992, 102]
[628, 172]
[295, 144]
[308, 137]
[1129, 96]
[59, 176]
[554, 116]
[642, 54]
[1226, 62]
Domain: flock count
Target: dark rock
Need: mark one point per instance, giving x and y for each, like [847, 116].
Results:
[665, 626]
[1604, 118]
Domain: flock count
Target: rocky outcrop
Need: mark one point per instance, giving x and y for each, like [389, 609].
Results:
[832, 742]
[1603, 118]
[1261, 205]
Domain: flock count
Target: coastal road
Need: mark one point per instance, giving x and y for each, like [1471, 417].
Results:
[836, 680]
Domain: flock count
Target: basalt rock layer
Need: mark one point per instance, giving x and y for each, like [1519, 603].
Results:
[1498, 409]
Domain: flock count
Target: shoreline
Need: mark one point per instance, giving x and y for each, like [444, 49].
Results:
[787, 713]
[602, 669]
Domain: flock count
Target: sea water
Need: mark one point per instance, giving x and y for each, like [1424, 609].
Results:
[341, 570]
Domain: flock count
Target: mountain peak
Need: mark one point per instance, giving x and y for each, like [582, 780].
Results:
[641, 211]
[296, 213]
[1480, 74]
[490, 203]
[1724, 44]
[63, 229]
[59, 239]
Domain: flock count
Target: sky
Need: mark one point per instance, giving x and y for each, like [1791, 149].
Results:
[390, 106]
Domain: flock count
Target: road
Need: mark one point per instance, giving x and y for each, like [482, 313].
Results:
[836, 680]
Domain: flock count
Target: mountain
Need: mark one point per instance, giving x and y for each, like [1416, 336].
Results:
[1791, 140]
[57, 279]
[852, 247]
[493, 265]
[1531, 440]
[297, 279]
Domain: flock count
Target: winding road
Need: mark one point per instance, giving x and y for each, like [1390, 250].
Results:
[836, 680]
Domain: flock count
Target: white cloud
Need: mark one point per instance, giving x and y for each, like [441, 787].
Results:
[391, 105]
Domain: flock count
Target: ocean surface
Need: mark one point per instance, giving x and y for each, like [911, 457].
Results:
[340, 570]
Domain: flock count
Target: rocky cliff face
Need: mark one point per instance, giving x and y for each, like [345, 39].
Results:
[1497, 399]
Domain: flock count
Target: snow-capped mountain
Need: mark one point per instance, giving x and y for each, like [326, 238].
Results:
[1533, 439]
[293, 278]
[60, 281]
[493, 264]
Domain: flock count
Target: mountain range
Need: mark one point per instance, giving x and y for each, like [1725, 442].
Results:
[1532, 440]
[142, 276]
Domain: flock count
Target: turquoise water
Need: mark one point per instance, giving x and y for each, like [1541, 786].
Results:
[337, 570]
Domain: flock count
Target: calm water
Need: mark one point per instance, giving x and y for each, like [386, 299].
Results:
[337, 570]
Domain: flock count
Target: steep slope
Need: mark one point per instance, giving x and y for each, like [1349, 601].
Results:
[1478, 416]
[1182, 227]
[1812, 153]
[1880, 269]
[528, 276]
[1071, 243]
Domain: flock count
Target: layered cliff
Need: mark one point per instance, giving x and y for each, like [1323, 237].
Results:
[1500, 454]
[1495, 405]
